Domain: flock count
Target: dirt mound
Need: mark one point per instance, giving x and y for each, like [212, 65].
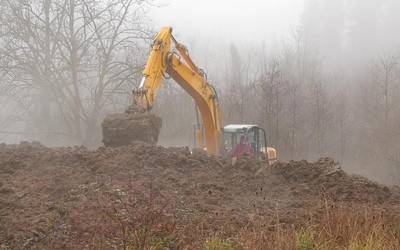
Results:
[327, 178]
[57, 191]
[126, 128]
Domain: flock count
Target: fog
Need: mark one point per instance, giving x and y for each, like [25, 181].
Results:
[321, 76]
[230, 21]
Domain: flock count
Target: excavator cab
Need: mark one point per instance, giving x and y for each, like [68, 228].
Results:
[254, 135]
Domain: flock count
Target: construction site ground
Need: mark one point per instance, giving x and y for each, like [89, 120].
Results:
[68, 196]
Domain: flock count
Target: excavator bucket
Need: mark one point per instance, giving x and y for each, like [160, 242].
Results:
[126, 128]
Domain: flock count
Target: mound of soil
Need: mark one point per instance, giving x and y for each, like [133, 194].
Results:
[126, 128]
[57, 191]
[325, 177]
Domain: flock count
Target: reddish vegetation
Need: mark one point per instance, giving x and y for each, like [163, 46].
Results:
[142, 195]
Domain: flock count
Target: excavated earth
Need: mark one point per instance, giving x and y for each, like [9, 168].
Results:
[122, 129]
[43, 190]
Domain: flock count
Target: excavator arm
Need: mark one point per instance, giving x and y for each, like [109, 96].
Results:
[180, 67]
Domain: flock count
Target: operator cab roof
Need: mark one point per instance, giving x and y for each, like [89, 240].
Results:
[233, 128]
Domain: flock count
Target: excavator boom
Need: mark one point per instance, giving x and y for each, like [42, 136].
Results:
[180, 67]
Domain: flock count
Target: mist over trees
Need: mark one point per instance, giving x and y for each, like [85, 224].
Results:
[330, 88]
[65, 62]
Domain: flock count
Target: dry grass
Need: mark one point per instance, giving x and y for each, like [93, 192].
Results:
[142, 223]
[351, 227]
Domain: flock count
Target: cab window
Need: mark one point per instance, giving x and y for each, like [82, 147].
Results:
[229, 141]
[262, 144]
[255, 137]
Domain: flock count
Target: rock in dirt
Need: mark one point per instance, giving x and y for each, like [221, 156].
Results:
[126, 128]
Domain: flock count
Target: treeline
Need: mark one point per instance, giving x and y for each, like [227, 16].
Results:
[331, 89]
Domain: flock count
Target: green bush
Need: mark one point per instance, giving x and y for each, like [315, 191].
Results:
[218, 244]
[305, 240]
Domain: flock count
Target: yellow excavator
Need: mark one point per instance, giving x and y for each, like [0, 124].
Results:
[168, 57]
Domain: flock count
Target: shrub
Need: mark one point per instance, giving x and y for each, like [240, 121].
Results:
[218, 244]
[305, 240]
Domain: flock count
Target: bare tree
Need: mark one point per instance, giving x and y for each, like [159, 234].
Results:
[74, 58]
[388, 65]
[270, 86]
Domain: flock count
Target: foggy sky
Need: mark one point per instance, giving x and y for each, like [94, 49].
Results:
[229, 20]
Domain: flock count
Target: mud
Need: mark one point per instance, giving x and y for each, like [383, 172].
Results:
[55, 191]
[126, 128]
